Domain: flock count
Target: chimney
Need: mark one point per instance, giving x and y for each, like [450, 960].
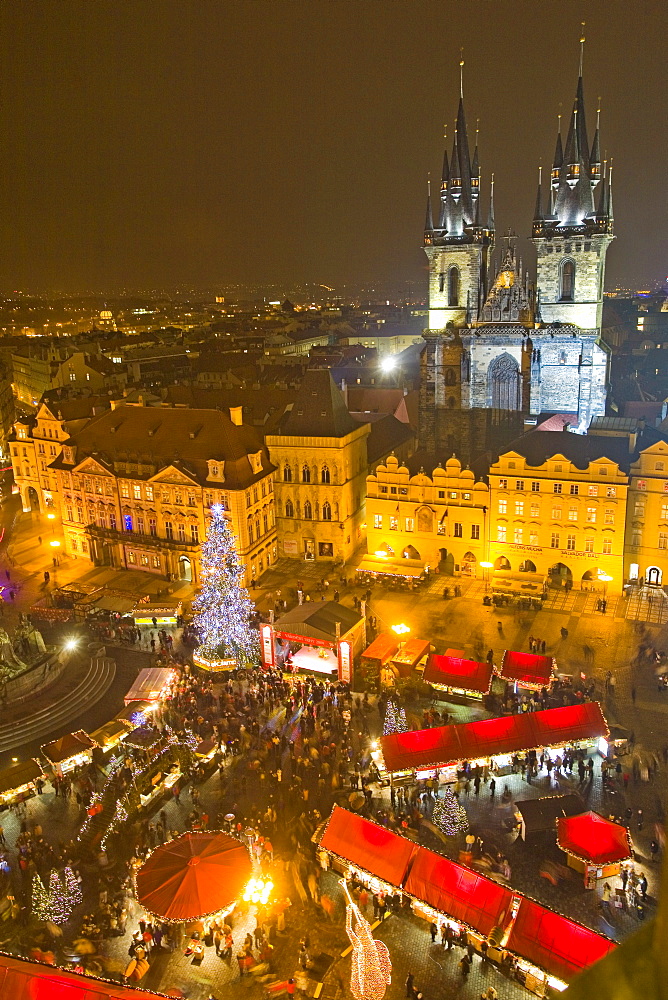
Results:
[237, 415]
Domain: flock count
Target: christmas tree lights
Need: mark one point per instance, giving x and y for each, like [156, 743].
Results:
[59, 903]
[40, 899]
[395, 719]
[223, 609]
[72, 887]
[448, 815]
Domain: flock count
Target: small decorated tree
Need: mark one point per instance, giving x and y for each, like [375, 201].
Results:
[72, 888]
[40, 899]
[59, 902]
[223, 609]
[395, 718]
[449, 815]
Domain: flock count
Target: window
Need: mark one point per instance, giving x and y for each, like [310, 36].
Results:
[441, 282]
[554, 540]
[567, 281]
[589, 544]
[556, 487]
[517, 536]
[156, 562]
[466, 496]
[214, 471]
[383, 489]
[658, 466]
[112, 520]
[393, 489]
[194, 534]
[593, 491]
[519, 508]
[611, 491]
[641, 485]
[602, 471]
[609, 517]
[503, 505]
[308, 510]
[591, 515]
[378, 521]
[535, 510]
[169, 530]
[192, 500]
[558, 468]
[265, 523]
[287, 474]
[639, 508]
[88, 486]
[572, 513]
[68, 512]
[533, 536]
[181, 531]
[324, 474]
[556, 513]
[663, 539]
[441, 494]
[289, 509]
[575, 489]
[535, 486]
[132, 558]
[475, 531]
[452, 495]
[326, 511]
[453, 286]
[636, 539]
[607, 546]
[664, 511]
[127, 522]
[503, 484]
[519, 484]
[140, 525]
[410, 524]
[165, 496]
[501, 532]
[458, 530]
[74, 544]
[570, 542]
[152, 526]
[136, 491]
[306, 474]
[41, 449]
[247, 496]
[394, 523]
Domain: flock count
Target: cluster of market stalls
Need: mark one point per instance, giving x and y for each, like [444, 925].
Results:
[390, 658]
[105, 606]
[548, 948]
[126, 730]
[317, 638]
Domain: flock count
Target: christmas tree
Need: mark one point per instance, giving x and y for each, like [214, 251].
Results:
[223, 609]
[448, 815]
[40, 899]
[395, 719]
[72, 888]
[59, 902]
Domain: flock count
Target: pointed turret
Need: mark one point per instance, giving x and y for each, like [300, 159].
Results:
[475, 171]
[538, 211]
[558, 161]
[455, 169]
[610, 212]
[445, 174]
[572, 151]
[595, 155]
[429, 218]
[490, 216]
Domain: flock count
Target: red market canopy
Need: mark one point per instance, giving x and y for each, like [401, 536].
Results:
[463, 894]
[554, 943]
[382, 648]
[454, 672]
[367, 846]
[445, 745]
[193, 875]
[593, 839]
[528, 669]
[23, 980]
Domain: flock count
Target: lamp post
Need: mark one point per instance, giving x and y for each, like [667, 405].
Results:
[486, 567]
[605, 580]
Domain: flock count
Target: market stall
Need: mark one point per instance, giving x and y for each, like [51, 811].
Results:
[528, 670]
[539, 815]
[24, 980]
[593, 845]
[375, 660]
[367, 847]
[493, 739]
[453, 674]
[383, 566]
[69, 751]
[205, 751]
[325, 626]
[136, 712]
[527, 587]
[110, 735]
[163, 615]
[409, 655]
[17, 782]
[150, 684]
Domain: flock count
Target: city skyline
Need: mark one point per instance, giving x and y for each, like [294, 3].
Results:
[217, 145]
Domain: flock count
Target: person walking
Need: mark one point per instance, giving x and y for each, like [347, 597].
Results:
[410, 989]
[492, 788]
[433, 930]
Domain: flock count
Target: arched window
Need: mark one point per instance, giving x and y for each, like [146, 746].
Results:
[567, 284]
[308, 511]
[289, 509]
[504, 384]
[450, 377]
[324, 475]
[441, 282]
[287, 474]
[326, 511]
[453, 286]
[306, 474]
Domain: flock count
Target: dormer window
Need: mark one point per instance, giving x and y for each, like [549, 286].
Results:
[217, 471]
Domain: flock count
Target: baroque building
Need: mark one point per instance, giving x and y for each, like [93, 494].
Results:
[646, 558]
[503, 345]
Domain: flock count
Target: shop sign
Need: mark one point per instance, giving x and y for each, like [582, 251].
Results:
[267, 638]
[344, 661]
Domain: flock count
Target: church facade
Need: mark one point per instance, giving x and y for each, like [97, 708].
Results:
[504, 345]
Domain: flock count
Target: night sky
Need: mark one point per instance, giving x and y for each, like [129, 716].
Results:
[156, 144]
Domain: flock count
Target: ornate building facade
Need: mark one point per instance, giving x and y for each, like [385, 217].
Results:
[503, 345]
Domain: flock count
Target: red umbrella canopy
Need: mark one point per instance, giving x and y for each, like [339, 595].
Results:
[592, 838]
[192, 876]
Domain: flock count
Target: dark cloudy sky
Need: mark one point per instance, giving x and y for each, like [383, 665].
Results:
[201, 141]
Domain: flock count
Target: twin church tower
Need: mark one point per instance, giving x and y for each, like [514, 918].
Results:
[501, 345]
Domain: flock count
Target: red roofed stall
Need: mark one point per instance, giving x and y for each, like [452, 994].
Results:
[458, 674]
[367, 846]
[527, 669]
[463, 894]
[593, 845]
[554, 943]
[445, 745]
[23, 980]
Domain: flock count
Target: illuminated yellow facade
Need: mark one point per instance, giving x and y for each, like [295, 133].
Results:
[647, 518]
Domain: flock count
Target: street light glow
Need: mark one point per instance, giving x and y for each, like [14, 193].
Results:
[388, 364]
[400, 629]
[55, 544]
[71, 643]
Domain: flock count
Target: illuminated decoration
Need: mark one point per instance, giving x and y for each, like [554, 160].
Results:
[258, 890]
[223, 609]
[381, 553]
[40, 900]
[395, 718]
[371, 970]
[449, 815]
[72, 886]
[400, 629]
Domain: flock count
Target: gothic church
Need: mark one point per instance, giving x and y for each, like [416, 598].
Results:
[502, 346]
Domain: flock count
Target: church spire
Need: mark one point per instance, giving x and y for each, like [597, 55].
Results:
[429, 218]
[538, 211]
[490, 217]
[558, 160]
[595, 155]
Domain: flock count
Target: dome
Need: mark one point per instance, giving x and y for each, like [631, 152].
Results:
[466, 474]
[453, 463]
[480, 486]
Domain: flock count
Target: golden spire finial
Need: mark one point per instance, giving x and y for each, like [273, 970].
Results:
[582, 43]
[461, 72]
